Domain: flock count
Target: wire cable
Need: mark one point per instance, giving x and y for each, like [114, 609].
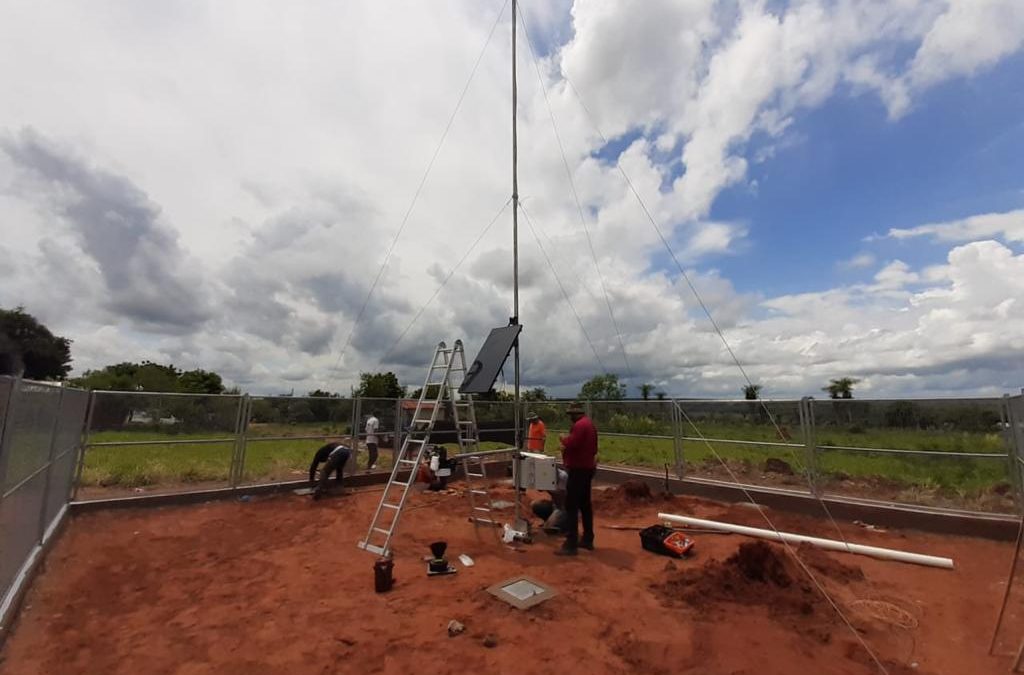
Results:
[419, 188]
[700, 301]
[529, 221]
[447, 278]
[575, 195]
[789, 549]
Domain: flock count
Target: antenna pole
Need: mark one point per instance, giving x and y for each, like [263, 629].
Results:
[515, 225]
[519, 524]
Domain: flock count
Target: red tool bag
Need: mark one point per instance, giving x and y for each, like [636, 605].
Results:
[665, 541]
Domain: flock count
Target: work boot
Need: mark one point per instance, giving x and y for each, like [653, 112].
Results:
[566, 550]
[587, 544]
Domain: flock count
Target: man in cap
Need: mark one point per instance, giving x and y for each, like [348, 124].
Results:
[579, 456]
[536, 433]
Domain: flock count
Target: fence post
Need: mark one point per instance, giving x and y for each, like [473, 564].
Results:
[243, 437]
[83, 443]
[357, 415]
[810, 443]
[1013, 453]
[677, 441]
[396, 438]
[49, 465]
[232, 472]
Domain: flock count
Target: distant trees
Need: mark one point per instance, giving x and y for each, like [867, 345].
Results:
[841, 388]
[27, 347]
[379, 385]
[645, 390]
[603, 388]
[150, 376]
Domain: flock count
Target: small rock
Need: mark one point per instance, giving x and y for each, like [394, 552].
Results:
[490, 642]
[455, 628]
[669, 566]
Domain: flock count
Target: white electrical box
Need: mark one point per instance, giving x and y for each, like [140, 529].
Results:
[538, 472]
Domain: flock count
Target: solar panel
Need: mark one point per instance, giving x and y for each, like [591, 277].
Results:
[488, 362]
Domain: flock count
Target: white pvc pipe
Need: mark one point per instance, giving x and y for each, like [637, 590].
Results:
[828, 544]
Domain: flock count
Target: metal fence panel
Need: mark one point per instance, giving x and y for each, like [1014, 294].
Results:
[35, 428]
[29, 424]
[65, 452]
[167, 442]
[934, 452]
[19, 527]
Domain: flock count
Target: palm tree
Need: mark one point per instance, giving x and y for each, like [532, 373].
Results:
[841, 388]
[752, 392]
[645, 390]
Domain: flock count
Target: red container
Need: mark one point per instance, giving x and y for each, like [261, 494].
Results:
[382, 575]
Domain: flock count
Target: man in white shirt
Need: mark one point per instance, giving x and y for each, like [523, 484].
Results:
[372, 425]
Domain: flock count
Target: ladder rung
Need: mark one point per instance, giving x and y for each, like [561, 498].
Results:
[479, 492]
[465, 421]
[481, 508]
[424, 421]
[379, 550]
[486, 521]
[407, 461]
[381, 530]
[393, 507]
[475, 475]
[413, 440]
[398, 482]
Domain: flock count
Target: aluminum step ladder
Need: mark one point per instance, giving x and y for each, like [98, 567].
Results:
[467, 431]
[407, 461]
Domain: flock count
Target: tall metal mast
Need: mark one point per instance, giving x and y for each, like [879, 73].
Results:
[515, 227]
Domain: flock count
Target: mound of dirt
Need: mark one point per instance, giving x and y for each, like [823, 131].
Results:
[758, 573]
[820, 561]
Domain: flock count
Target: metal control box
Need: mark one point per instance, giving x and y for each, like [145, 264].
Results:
[537, 472]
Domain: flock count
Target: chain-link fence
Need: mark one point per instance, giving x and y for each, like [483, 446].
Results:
[936, 452]
[40, 433]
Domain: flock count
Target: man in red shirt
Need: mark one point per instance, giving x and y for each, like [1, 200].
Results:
[579, 456]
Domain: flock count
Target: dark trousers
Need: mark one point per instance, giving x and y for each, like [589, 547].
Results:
[335, 463]
[320, 458]
[577, 501]
[372, 449]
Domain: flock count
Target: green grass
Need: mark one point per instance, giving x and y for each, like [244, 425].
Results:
[266, 460]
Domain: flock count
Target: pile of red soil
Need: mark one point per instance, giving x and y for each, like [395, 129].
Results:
[758, 573]
[821, 563]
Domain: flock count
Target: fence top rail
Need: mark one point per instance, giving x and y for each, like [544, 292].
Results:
[940, 453]
[163, 393]
[40, 383]
[737, 441]
[176, 441]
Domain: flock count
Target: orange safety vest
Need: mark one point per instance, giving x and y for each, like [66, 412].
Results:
[536, 435]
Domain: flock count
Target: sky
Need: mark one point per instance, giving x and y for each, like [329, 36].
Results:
[221, 186]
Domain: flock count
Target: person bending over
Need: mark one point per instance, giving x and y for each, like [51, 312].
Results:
[333, 456]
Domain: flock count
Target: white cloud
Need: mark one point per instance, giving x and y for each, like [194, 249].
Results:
[895, 275]
[970, 35]
[1008, 226]
[244, 167]
[859, 261]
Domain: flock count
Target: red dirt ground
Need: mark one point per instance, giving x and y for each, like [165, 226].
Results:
[276, 585]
